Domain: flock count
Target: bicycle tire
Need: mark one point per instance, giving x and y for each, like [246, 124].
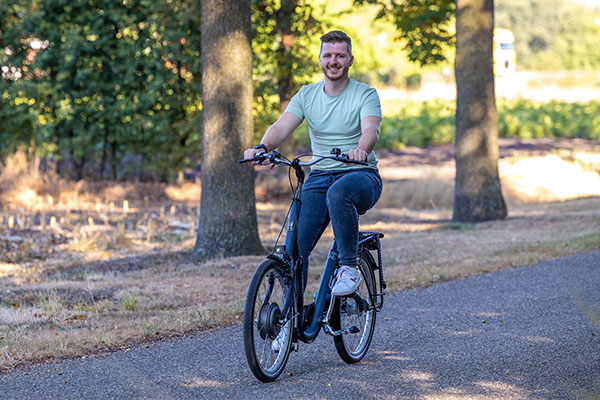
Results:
[262, 307]
[347, 312]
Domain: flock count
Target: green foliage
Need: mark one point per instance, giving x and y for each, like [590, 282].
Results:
[380, 59]
[103, 82]
[112, 89]
[551, 34]
[432, 123]
[285, 45]
[418, 124]
[424, 27]
[529, 119]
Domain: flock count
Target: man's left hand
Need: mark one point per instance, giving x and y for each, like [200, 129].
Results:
[357, 155]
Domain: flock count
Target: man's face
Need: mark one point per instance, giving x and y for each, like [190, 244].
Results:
[335, 60]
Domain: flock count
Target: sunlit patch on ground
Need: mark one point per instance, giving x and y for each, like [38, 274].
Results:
[199, 383]
[564, 175]
[548, 178]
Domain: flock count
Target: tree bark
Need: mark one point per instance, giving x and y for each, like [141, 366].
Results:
[104, 153]
[227, 224]
[477, 191]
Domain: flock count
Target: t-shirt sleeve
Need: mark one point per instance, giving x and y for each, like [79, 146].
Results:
[370, 105]
[296, 104]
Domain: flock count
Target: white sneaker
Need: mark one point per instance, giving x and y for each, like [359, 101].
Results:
[279, 341]
[347, 281]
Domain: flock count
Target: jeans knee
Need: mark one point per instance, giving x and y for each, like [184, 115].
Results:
[336, 197]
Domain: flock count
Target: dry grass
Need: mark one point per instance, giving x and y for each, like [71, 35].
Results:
[557, 175]
[88, 272]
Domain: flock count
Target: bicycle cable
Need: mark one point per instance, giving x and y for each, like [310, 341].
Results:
[284, 224]
[290, 172]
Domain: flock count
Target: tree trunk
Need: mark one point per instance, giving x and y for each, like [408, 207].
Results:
[227, 224]
[113, 159]
[477, 192]
[104, 152]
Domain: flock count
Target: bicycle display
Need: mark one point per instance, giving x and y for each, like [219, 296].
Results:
[275, 316]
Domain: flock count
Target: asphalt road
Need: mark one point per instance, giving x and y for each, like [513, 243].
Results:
[524, 333]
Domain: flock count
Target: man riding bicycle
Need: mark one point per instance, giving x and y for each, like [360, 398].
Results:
[343, 113]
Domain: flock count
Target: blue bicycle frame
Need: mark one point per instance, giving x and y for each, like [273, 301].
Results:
[288, 255]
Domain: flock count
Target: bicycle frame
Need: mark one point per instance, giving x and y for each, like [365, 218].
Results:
[288, 255]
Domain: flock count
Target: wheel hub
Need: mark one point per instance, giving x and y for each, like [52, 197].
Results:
[268, 317]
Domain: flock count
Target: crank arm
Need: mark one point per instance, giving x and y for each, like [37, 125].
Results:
[329, 331]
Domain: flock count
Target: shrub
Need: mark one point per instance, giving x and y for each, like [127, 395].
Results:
[431, 123]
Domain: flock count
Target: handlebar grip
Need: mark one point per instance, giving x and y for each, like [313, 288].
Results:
[259, 157]
[344, 158]
[358, 162]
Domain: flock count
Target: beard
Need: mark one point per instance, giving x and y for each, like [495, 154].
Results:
[337, 74]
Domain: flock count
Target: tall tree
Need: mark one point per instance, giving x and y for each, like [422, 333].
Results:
[227, 223]
[424, 26]
[477, 192]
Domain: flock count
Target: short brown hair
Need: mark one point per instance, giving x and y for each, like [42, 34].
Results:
[336, 37]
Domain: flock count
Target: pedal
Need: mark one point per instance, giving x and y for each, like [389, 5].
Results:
[329, 331]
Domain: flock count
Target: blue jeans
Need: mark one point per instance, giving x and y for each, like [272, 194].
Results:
[339, 196]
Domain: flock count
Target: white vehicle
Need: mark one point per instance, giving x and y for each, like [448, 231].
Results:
[505, 56]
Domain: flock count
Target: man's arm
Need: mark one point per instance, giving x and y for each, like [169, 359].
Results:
[277, 133]
[370, 135]
[280, 130]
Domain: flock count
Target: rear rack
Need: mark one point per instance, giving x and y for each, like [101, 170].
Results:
[372, 241]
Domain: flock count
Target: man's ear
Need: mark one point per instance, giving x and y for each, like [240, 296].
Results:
[351, 61]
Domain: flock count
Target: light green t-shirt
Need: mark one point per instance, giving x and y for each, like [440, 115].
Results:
[334, 121]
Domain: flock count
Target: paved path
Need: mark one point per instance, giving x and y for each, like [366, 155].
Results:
[517, 334]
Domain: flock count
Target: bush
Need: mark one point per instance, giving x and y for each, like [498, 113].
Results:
[413, 81]
[418, 124]
[433, 123]
[528, 119]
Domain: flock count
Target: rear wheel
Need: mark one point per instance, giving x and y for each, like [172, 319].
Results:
[356, 311]
[267, 339]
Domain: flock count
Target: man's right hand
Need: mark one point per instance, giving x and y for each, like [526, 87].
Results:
[250, 153]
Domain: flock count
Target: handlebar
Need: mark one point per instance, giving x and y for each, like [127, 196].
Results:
[276, 158]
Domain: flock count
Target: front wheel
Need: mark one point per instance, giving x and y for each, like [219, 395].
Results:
[356, 312]
[267, 336]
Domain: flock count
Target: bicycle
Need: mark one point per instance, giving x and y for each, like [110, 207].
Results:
[275, 317]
